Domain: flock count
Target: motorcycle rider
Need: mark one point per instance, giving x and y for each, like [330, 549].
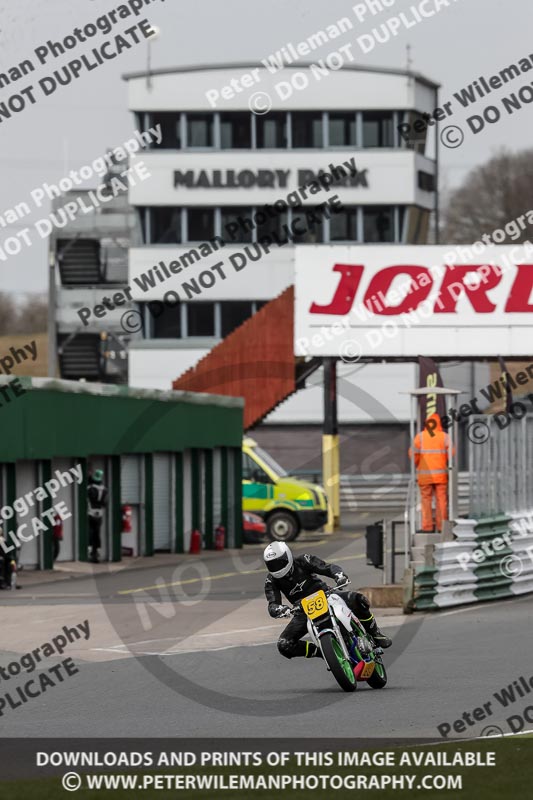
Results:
[297, 578]
[96, 503]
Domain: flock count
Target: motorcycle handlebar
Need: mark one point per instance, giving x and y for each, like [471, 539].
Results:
[336, 588]
[332, 590]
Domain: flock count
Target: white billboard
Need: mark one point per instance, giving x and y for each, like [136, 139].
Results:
[392, 301]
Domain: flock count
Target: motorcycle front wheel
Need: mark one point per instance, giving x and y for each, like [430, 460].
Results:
[339, 665]
[378, 679]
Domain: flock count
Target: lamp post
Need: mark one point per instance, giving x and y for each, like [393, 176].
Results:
[155, 35]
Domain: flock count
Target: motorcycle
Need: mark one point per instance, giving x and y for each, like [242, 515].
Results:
[348, 650]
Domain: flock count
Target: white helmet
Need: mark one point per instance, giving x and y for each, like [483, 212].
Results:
[278, 559]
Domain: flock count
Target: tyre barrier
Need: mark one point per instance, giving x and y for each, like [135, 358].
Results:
[490, 558]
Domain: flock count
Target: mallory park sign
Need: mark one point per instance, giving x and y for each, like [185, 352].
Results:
[264, 178]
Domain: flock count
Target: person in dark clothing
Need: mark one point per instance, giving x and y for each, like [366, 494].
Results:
[5, 572]
[298, 577]
[57, 536]
[97, 500]
[8, 563]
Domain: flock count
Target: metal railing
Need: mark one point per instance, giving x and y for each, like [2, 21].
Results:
[500, 464]
[390, 492]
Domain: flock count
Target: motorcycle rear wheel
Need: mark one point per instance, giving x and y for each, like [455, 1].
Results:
[340, 667]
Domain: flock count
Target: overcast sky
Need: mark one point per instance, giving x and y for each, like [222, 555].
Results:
[76, 124]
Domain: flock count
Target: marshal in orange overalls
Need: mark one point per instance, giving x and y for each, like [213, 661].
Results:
[430, 450]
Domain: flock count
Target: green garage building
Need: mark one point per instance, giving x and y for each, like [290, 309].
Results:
[173, 457]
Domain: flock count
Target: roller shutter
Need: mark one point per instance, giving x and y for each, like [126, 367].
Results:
[27, 481]
[217, 487]
[187, 500]
[131, 479]
[201, 470]
[231, 506]
[163, 526]
[66, 495]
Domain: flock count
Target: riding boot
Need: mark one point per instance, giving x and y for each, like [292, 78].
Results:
[370, 625]
[312, 651]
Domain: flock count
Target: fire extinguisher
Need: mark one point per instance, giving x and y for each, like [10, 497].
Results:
[126, 519]
[220, 537]
[196, 542]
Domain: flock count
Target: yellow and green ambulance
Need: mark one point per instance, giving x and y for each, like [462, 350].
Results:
[288, 505]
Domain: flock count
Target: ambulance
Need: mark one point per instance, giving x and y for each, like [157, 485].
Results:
[287, 504]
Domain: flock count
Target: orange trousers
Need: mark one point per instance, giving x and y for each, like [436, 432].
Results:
[433, 520]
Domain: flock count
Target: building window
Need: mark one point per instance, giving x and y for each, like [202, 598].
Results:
[200, 224]
[401, 222]
[271, 130]
[270, 226]
[200, 319]
[426, 181]
[236, 130]
[415, 136]
[310, 222]
[165, 320]
[378, 224]
[233, 314]
[378, 129]
[341, 129]
[170, 130]
[165, 225]
[236, 224]
[142, 216]
[307, 129]
[200, 130]
[343, 225]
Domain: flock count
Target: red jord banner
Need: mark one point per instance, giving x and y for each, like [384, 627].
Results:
[405, 301]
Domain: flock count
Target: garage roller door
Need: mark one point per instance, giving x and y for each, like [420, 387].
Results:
[27, 481]
[232, 455]
[187, 500]
[163, 526]
[67, 495]
[131, 479]
[217, 487]
[201, 490]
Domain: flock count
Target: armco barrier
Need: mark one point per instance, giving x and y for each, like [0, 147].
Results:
[489, 559]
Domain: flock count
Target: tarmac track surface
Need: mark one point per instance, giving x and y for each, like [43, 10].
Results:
[175, 653]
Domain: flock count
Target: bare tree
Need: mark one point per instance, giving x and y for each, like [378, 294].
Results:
[33, 315]
[8, 314]
[493, 196]
[28, 316]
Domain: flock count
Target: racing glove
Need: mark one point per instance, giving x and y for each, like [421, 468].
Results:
[340, 577]
[279, 611]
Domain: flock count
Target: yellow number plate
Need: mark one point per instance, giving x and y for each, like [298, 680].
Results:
[315, 605]
[367, 670]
